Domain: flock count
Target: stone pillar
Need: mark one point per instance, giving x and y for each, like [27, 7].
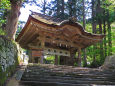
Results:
[79, 57]
[56, 60]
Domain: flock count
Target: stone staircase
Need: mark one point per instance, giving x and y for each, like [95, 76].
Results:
[52, 75]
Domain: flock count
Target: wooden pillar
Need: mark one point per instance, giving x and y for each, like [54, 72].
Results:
[42, 58]
[42, 46]
[32, 59]
[30, 56]
[79, 57]
[72, 56]
[56, 60]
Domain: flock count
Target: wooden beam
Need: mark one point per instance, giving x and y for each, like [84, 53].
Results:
[62, 42]
[30, 35]
[45, 28]
[53, 34]
[25, 32]
[42, 58]
[27, 35]
[54, 51]
[56, 59]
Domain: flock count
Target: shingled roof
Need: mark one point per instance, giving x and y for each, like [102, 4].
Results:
[53, 20]
[46, 17]
[68, 30]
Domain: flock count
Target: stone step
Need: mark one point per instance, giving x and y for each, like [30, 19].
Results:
[37, 83]
[61, 70]
[72, 73]
[57, 75]
[55, 83]
[64, 80]
[51, 75]
[40, 75]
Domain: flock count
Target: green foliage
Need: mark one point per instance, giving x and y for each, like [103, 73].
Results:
[5, 4]
[4, 75]
[2, 32]
[96, 51]
[113, 37]
[4, 7]
[88, 27]
[108, 5]
[20, 26]
[50, 59]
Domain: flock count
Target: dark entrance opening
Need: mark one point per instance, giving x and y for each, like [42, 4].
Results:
[36, 59]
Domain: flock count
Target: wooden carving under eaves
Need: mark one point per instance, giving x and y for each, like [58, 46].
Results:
[55, 32]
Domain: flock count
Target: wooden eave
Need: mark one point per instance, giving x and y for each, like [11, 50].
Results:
[31, 31]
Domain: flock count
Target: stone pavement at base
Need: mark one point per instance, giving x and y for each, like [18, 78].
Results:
[61, 75]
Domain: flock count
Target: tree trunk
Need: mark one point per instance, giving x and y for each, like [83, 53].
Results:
[12, 19]
[70, 8]
[93, 29]
[101, 43]
[84, 14]
[104, 31]
[109, 35]
[44, 7]
[85, 56]
[58, 8]
[100, 30]
[62, 9]
[74, 8]
[93, 18]
[102, 58]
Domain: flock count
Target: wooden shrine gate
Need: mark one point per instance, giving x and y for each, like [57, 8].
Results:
[38, 55]
[49, 35]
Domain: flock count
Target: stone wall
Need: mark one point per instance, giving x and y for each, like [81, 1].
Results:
[8, 58]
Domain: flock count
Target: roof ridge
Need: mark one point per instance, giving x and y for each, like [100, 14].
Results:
[47, 17]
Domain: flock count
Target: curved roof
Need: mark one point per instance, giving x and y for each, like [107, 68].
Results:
[67, 30]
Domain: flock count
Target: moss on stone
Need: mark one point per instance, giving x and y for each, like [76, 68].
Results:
[0, 47]
[9, 48]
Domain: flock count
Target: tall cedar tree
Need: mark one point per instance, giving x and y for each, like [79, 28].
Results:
[99, 20]
[12, 19]
[109, 34]
[72, 8]
[85, 56]
[93, 28]
[58, 9]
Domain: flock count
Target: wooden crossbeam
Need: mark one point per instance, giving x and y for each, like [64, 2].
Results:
[61, 42]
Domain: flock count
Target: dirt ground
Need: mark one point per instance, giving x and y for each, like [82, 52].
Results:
[14, 80]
